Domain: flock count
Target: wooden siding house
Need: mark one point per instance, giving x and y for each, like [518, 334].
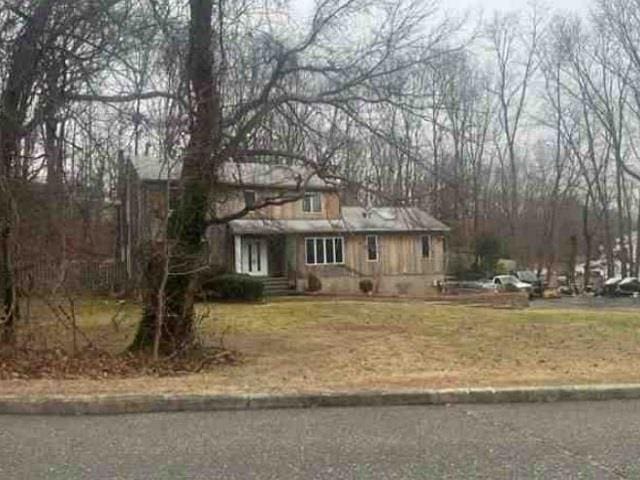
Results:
[401, 250]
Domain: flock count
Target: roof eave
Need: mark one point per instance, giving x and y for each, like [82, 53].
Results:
[251, 185]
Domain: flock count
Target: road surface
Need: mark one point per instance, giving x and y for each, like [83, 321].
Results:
[595, 440]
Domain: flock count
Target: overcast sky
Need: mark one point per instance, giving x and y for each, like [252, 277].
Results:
[490, 5]
[578, 6]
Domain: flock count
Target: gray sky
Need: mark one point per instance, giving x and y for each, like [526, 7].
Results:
[578, 6]
[490, 5]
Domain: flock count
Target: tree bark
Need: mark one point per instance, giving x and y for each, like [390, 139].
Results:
[586, 233]
[188, 223]
[14, 103]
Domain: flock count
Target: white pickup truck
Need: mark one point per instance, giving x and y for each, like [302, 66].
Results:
[511, 282]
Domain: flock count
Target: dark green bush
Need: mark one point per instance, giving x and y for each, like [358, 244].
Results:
[233, 286]
[366, 285]
[313, 283]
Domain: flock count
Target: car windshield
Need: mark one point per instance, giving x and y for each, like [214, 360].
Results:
[527, 276]
[508, 279]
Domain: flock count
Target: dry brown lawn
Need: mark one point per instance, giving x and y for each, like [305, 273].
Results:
[311, 345]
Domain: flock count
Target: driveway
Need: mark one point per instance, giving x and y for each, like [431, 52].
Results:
[599, 440]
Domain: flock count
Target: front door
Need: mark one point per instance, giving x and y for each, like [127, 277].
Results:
[254, 256]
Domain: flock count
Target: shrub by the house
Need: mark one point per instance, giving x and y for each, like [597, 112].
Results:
[233, 286]
[366, 286]
[313, 283]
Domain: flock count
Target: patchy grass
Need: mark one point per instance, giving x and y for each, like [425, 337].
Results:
[107, 324]
[313, 345]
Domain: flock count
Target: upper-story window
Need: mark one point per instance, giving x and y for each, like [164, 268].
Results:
[249, 198]
[372, 248]
[426, 246]
[312, 202]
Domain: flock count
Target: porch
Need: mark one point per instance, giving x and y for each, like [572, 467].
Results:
[272, 257]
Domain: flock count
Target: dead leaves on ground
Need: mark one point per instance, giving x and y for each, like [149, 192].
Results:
[57, 364]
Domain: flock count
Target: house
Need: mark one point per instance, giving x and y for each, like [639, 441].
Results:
[401, 250]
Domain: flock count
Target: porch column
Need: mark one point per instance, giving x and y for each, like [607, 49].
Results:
[238, 253]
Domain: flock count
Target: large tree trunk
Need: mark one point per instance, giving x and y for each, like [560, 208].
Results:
[14, 104]
[188, 223]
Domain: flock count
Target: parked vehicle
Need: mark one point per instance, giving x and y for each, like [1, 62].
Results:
[566, 287]
[480, 285]
[628, 286]
[527, 276]
[470, 286]
[610, 287]
[511, 283]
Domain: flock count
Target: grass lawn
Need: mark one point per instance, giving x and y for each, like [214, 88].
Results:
[309, 345]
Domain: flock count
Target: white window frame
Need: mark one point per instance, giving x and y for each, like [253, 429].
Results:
[315, 241]
[377, 241]
[312, 204]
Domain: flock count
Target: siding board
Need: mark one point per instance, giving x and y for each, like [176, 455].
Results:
[229, 201]
[399, 254]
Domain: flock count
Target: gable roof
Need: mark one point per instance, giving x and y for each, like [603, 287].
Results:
[353, 220]
[247, 174]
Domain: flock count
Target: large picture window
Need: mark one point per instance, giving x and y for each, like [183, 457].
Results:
[324, 251]
[311, 203]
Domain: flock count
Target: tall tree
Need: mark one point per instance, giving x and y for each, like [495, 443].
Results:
[23, 73]
[239, 83]
[514, 45]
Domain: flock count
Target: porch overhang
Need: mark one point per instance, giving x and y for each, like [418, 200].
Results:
[275, 227]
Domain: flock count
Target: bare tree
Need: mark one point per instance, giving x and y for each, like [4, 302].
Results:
[515, 55]
[16, 98]
[233, 92]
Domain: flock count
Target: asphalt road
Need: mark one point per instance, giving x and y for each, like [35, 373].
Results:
[597, 440]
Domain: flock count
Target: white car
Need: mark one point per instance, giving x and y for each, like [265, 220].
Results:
[502, 282]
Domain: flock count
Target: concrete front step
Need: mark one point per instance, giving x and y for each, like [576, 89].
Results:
[276, 286]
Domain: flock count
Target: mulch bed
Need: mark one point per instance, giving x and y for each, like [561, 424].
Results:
[57, 364]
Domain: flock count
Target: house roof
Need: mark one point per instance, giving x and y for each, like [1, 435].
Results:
[264, 226]
[353, 220]
[249, 174]
[269, 175]
[152, 168]
[391, 219]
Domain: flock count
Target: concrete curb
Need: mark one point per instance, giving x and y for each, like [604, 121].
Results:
[126, 404]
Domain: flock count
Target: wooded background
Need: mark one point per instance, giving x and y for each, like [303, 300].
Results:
[517, 129]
